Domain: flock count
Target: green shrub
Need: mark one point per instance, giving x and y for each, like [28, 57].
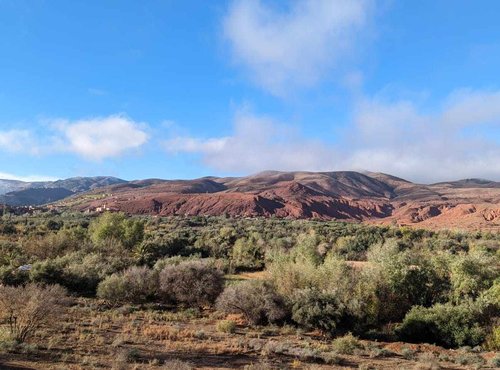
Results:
[53, 245]
[256, 300]
[247, 254]
[298, 270]
[444, 324]
[408, 279]
[353, 247]
[153, 249]
[191, 283]
[49, 271]
[13, 276]
[354, 292]
[82, 274]
[117, 227]
[471, 274]
[313, 309]
[11, 254]
[78, 272]
[289, 276]
[492, 342]
[7, 228]
[306, 248]
[134, 285]
[346, 345]
[226, 326]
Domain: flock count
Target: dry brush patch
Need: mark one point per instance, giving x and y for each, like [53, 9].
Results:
[26, 309]
[90, 335]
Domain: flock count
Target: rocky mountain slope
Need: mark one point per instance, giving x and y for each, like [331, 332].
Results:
[343, 195]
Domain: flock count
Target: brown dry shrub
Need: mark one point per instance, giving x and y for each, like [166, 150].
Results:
[191, 283]
[256, 300]
[26, 309]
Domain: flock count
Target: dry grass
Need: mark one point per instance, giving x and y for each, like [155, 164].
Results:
[92, 336]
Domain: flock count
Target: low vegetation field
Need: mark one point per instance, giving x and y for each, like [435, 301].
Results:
[81, 291]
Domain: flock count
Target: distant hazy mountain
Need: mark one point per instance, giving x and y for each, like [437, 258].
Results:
[20, 193]
[7, 186]
[35, 196]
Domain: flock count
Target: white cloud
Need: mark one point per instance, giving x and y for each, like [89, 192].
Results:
[296, 46]
[28, 178]
[93, 139]
[468, 107]
[257, 143]
[102, 137]
[459, 139]
[18, 141]
[192, 145]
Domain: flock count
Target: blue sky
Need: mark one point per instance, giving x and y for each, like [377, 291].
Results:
[184, 89]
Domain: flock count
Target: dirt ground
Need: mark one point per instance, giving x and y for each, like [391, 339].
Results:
[94, 336]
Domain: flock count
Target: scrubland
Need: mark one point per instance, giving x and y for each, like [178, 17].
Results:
[83, 291]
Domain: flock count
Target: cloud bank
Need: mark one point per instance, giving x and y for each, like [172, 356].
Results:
[295, 47]
[257, 143]
[29, 178]
[397, 137]
[457, 140]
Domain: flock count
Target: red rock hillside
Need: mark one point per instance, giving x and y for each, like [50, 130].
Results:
[351, 196]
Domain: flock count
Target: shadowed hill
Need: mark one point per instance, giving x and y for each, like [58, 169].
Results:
[35, 197]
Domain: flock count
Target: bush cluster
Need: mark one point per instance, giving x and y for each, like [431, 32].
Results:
[192, 284]
[134, 285]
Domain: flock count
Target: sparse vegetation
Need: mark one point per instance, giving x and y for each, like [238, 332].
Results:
[162, 280]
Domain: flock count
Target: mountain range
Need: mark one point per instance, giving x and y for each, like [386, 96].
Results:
[21, 193]
[343, 195]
